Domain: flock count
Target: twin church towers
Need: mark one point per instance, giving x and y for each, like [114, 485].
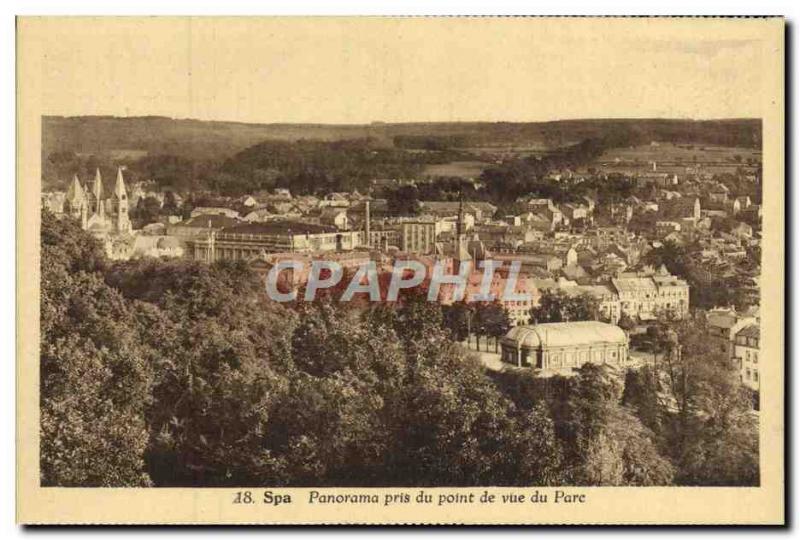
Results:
[100, 216]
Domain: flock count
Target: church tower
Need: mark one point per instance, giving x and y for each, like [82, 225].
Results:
[97, 192]
[121, 204]
[460, 252]
[76, 198]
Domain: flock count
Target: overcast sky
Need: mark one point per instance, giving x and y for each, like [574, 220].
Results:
[401, 70]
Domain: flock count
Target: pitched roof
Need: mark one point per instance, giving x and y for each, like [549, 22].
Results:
[722, 318]
[634, 284]
[751, 331]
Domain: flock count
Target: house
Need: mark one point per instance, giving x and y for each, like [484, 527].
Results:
[663, 228]
[723, 325]
[260, 214]
[482, 211]
[746, 351]
[742, 231]
[607, 299]
[677, 209]
[605, 236]
[546, 210]
[247, 201]
[574, 213]
[338, 200]
[718, 193]
[214, 211]
[335, 216]
[744, 202]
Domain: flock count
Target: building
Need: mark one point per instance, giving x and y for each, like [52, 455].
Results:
[250, 240]
[480, 210]
[336, 217]
[54, 201]
[560, 347]
[673, 294]
[723, 325]
[605, 236]
[419, 236]
[518, 310]
[201, 226]
[382, 238]
[350, 261]
[682, 208]
[102, 217]
[745, 349]
[718, 193]
[545, 211]
[646, 296]
[214, 211]
[608, 300]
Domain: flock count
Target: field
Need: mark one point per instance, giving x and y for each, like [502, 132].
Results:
[679, 158]
[463, 169]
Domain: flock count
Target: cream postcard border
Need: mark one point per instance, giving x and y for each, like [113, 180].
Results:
[670, 505]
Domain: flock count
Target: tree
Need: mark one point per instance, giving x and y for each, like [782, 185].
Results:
[558, 306]
[673, 256]
[701, 414]
[603, 443]
[224, 350]
[493, 321]
[458, 318]
[95, 376]
[147, 210]
[626, 322]
[403, 201]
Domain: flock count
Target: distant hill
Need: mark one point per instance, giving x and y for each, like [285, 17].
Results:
[120, 137]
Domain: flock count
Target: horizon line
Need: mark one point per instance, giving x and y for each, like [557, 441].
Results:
[409, 122]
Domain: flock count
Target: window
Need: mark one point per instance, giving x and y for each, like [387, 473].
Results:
[755, 376]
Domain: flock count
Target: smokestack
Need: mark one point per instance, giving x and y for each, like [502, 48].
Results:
[366, 224]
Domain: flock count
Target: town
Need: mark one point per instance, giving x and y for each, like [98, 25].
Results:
[613, 252]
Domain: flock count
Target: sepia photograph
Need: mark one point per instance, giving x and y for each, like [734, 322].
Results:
[376, 262]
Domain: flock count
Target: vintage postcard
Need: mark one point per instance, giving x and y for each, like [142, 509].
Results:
[389, 270]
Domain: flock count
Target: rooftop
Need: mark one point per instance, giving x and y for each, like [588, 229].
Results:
[564, 334]
[634, 284]
[215, 221]
[279, 227]
[751, 331]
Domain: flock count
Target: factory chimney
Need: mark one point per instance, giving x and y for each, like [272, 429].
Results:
[366, 224]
